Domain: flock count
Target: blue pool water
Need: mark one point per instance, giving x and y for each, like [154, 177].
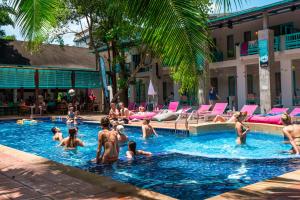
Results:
[182, 166]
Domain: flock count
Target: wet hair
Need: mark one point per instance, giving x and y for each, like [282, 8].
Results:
[132, 147]
[72, 137]
[240, 115]
[286, 119]
[53, 130]
[104, 122]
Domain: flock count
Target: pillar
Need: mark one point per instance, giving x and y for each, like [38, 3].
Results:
[132, 93]
[15, 95]
[241, 85]
[176, 92]
[265, 20]
[286, 82]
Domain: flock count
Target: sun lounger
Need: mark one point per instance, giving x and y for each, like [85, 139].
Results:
[218, 109]
[169, 114]
[272, 117]
[201, 110]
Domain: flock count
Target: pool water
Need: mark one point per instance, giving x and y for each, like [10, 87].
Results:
[182, 166]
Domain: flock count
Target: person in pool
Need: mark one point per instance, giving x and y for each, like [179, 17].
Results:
[72, 141]
[132, 152]
[147, 129]
[241, 128]
[122, 138]
[109, 141]
[291, 132]
[57, 134]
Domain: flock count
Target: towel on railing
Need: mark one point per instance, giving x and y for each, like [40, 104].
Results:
[244, 48]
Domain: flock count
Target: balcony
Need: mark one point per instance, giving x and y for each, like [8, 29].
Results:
[217, 56]
[292, 41]
[251, 47]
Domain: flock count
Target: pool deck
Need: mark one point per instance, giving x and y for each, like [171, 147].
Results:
[27, 176]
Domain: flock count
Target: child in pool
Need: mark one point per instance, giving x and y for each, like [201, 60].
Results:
[132, 152]
[122, 138]
[57, 134]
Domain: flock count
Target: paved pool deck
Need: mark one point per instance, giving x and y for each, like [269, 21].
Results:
[27, 176]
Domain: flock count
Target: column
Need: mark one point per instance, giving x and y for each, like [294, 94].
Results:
[176, 91]
[132, 93]
[286, 82]
[15, 96]
[241, 85]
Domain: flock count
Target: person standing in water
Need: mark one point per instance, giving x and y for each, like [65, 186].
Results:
[291, 132]
[72, 141]
[57, 134]
[109, 141]
[241, 129]
[147, 129]
[132, 152]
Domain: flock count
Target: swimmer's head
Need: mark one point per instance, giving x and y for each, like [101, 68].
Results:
[146, 121]
[72, 132]
[286, 119]
[55, 130]
[120, 129]
[104, 122]
[132, 146]
[241, 116]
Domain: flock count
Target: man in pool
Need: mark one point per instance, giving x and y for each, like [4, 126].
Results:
[57, 134]
[109, 141]
[291, 132]
[147, 129]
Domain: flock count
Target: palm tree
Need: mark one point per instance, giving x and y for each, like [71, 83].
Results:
[175, 29]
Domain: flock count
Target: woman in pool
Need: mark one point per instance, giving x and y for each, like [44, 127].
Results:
[147, 129]
[232, 119]
[72, 141]
[132, 152]
[57, 134]
[109, 141]
[291, 132]
[122, 138]
[241, 129]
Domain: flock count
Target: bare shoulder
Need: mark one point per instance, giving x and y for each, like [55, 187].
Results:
[288, 128]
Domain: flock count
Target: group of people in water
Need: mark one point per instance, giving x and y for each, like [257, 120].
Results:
[110, 138]
[112, 135]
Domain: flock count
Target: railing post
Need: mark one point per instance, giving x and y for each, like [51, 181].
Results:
[282, 42]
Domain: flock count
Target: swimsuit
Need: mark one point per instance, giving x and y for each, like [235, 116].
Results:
[113, 158]
[297, 141]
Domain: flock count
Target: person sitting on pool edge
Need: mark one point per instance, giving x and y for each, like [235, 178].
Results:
[113, 112]
[122, 138]
[147, 129]
[132, 152]
[241, 129]
[291, 132]
[232, 119]
[72, 141]
[109, 141]
[57, 134]
[71, 115]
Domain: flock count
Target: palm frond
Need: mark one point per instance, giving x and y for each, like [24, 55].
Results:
[176, 30]
[5, 18]
[227, 5]
[35, 18]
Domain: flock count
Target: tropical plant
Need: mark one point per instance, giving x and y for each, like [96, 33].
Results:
[175, 30]
[5, 18]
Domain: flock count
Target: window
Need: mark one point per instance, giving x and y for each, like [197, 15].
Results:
[136, 59]
[230, 46]
[231, 86]
[250, 84]
[214, 82]
[247, 36]
[277, 83]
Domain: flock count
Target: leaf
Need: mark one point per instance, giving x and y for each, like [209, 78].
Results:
[177, 31]
[35, 18]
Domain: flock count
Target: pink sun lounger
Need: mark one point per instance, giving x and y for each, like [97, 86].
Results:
[218, 109]
[250, 109]
[141, 116]
[272, 117]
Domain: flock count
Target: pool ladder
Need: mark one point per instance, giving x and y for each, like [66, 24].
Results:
[188, 119]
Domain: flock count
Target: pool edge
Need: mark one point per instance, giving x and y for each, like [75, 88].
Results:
[91, 178]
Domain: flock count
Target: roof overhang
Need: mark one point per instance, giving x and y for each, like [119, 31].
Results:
[255, 13]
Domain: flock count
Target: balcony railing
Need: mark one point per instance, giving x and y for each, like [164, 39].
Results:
[217, 56]
[292, 41]
[251, 48]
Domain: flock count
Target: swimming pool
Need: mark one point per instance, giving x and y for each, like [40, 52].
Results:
[183, 166]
